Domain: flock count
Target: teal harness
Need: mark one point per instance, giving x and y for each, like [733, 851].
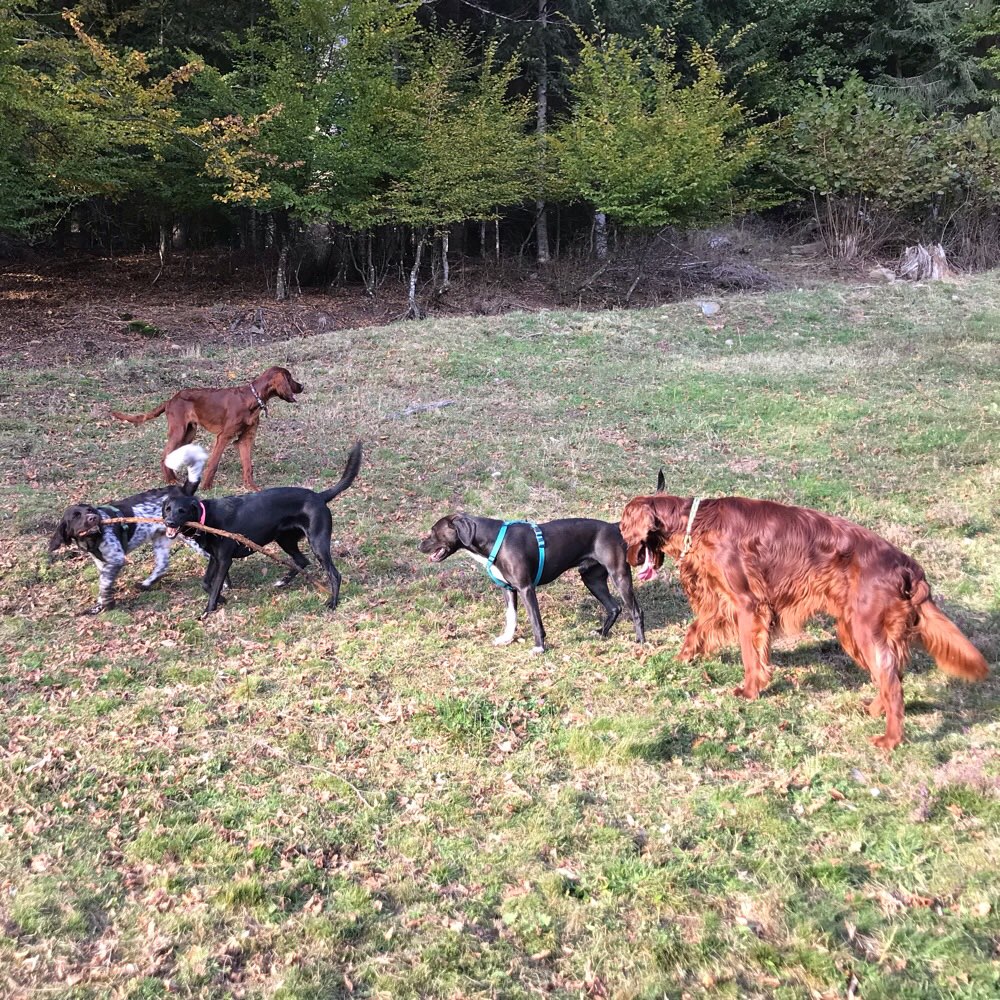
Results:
[499, 581]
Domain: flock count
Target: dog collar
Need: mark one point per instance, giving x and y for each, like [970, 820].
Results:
[260, 402]
[491, 573]
[201, 520]
[687, 533]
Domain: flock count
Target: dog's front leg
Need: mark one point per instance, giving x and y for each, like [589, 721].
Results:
[215, 577]
[534, 616]
[510, 620]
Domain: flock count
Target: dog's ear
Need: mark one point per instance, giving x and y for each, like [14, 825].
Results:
[639, 520]
[60, 537]
[661, 483]
[465, 528]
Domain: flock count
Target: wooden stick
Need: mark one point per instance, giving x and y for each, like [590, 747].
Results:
[242, 539]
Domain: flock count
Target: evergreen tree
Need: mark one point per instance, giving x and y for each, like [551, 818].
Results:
[932, 53]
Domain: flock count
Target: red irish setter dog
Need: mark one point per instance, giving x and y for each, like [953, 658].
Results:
[232, 414]
[752, 568]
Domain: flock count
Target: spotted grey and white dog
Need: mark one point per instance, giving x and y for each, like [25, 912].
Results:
[107, 544]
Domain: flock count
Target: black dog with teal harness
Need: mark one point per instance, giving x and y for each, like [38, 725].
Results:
[521, 555]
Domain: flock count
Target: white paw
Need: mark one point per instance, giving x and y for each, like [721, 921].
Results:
[503, 640]
[537, 650]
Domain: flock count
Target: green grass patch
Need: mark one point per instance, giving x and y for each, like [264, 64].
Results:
[278, 801]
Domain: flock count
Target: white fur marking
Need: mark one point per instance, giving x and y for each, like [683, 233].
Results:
[482, 560]
[510, 625]
[192, 456]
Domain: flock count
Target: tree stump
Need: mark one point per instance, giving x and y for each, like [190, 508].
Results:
[922, 263]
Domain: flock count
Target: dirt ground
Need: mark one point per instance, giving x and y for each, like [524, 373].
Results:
[82, 306]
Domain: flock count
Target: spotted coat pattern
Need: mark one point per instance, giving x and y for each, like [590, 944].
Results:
[109, 557]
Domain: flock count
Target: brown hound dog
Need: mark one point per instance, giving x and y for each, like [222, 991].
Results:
[751, 568]
[232, 414]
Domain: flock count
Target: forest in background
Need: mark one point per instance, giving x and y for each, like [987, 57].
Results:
[371, 140]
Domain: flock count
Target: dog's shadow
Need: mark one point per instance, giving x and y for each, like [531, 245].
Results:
[809, 663]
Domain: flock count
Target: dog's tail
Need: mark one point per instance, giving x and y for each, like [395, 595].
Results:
[940, 636]
[140, 418]
[191, 457]
[350, 473]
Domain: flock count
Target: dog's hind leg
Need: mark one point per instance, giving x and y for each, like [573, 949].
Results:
[289, 541]
[875, 706]
[887, 672]
[879, 642]
[595, 579]
[320, 530]
[510, 619]
[178, 435]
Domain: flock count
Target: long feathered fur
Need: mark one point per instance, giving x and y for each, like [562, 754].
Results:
[952, 652]
[756, 568]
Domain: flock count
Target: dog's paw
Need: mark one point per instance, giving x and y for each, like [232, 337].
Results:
[503, 640]
[873, 708]
[886, 742]
[95, 609]
[537, 650]
[747, 692]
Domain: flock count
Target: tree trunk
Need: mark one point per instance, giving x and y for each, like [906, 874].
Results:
[179, 234]
[482, 239]
[62, 227]
[413, 312]
[600, 236]
[369, 264]
[445, 273]
[542, 224]
[281, 237]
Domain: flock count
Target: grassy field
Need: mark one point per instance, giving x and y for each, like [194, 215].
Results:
[284, 802]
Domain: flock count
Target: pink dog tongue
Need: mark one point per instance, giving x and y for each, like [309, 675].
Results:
[648, 571]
